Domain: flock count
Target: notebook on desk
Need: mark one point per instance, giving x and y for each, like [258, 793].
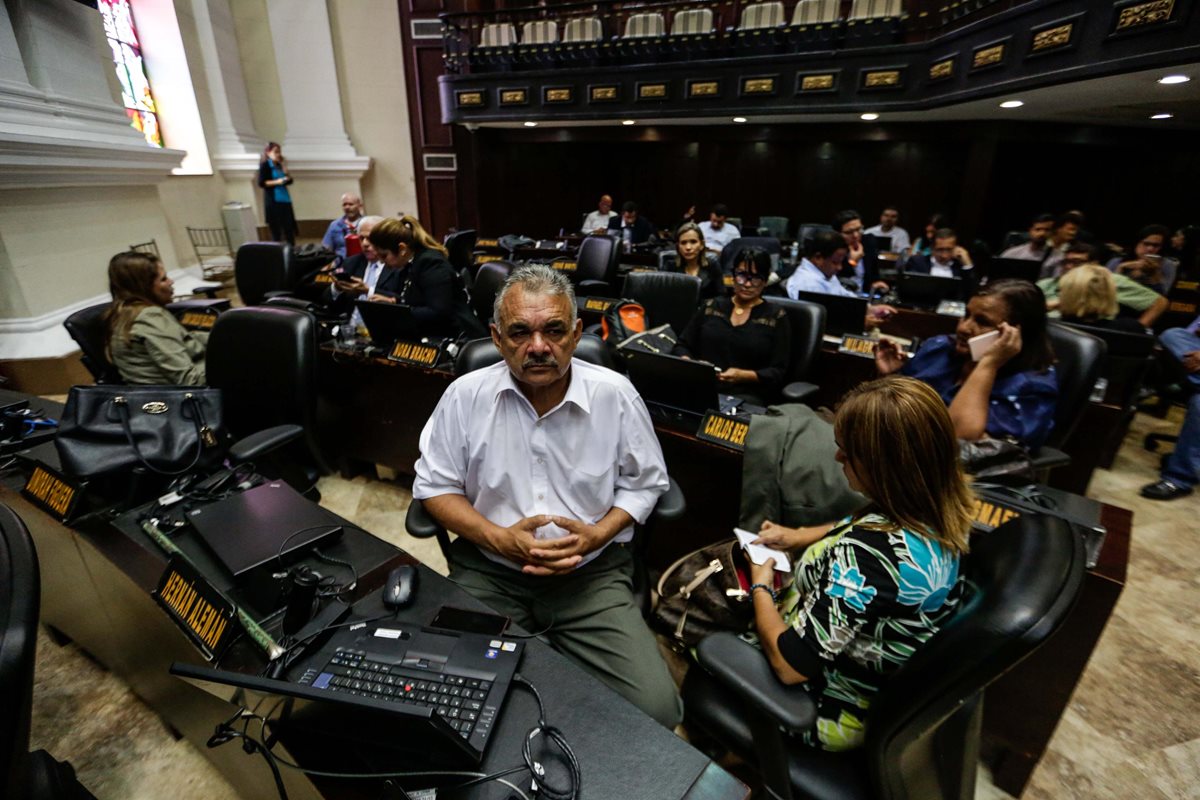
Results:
[926, 291]
[387, 323]
[842, 314]
[397, 685]
[677, 384]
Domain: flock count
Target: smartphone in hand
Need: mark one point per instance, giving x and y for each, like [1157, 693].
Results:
[979, 345]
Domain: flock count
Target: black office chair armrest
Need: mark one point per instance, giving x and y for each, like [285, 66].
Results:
[745, 671]
[209, 290]
[671, 504]
[419, 523]
[799, 391]
[1046, 457]
[288, 300]
[251, 447]
[594, 288]
[594, 328]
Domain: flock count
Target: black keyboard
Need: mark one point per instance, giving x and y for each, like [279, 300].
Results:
[457, 699]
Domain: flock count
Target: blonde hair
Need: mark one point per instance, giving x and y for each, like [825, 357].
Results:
[389, 233]
[689, 227]
[897, 435]
[1088, 292]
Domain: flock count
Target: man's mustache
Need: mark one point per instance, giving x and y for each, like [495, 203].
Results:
[546, 360]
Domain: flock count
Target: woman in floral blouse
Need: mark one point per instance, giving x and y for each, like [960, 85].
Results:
[871, 589]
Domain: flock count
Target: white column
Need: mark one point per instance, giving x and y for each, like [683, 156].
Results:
[238, 145]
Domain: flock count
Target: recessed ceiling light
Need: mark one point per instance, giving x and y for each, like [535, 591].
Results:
[1170, 80]
[1012, 104]
[869, 117]
[530, 124]
[739, 119]
[1161, 116]
[629, 122]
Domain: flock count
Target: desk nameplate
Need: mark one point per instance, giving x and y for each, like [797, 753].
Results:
[323, 277]
[53, 492]
[198, 320]
[723, 430]
[196, 607]
[857, 344]
[597, 304]
[564, 266]
[417, 354]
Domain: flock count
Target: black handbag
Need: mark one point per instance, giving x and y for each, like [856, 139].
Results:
[995, 458]
[169, 430]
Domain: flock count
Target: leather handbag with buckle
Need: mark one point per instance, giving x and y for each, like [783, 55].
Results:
[169, 430]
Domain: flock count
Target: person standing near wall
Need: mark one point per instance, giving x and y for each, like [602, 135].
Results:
[274, 179]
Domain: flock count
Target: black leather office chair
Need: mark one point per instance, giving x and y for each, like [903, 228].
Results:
[1081, 358]
[806, 231]
[730, 252]
[460, 248]
[596, 266]
[808, 329]
[264, 361]
[488, 280]
[923, 733]
[89, 331]
[263, 270]
[31, 776]
[669, 297]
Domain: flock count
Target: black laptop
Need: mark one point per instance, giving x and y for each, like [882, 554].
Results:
[431, 692]
[677, 384]
[1023, 269]
[842, 314]
[927, 291]
[387, 323]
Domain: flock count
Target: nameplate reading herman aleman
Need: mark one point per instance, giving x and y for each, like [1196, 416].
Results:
[196, 606]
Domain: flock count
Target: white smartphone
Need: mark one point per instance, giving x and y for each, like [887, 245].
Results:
[982, 343]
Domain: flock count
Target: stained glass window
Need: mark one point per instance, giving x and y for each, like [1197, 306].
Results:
[131, 71]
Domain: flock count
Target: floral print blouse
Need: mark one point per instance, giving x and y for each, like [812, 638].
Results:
[865, 597]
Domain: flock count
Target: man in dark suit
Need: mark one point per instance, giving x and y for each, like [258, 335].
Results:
[862, 256]
[631, 227]
[947, 259]
[362, 275]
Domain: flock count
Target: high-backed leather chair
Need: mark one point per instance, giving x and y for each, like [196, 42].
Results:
[86, 326]
[1081, 359]
[668, 297]
[596, 266]
[262, 270]
[773, 226]
[460, 252]
[923, 732]
[264, 361]
[731, 251]
[808, 330]
[1129, 358]
[33, 776]
[488, 280]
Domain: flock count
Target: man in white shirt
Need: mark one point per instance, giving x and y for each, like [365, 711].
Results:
[818, 271]
[597, 221]
[717, 232]
[887, 227]
[542, 465]
[1036, 247]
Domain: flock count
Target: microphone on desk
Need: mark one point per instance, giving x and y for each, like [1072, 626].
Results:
[301, 593]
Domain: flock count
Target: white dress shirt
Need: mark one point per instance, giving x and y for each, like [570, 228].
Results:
[807, 278]
[596, 220]
[370, 278]
[900, 240]
[941, 270]
[593, 451]
[716, 240]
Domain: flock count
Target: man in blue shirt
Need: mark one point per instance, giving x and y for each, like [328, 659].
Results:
[818, 271]
[1182, 470]
[339, 229]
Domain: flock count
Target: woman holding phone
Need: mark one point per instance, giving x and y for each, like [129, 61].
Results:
[274, 179]
[996, 374]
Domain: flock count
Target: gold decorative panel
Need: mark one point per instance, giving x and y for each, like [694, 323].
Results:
[652, 90]
[1145, 14]
[1052, 38]
[604, 93]
[469, 99]
[704, 89]
[512, 97]
[558, 95]
[889, 77]
[814, 83]
[942, 69]
[988, 56]
[758, 86]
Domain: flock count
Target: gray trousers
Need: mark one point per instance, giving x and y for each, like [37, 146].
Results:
[591, 616]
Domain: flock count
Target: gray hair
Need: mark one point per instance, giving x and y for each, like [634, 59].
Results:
[537, 279]
[370, 221]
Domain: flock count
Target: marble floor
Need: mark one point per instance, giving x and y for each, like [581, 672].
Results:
[1132, 728]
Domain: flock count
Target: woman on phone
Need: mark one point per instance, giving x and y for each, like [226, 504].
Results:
[1003, 386]
[274, 179]
[870, 590]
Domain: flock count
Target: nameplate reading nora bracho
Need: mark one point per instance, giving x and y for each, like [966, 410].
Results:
[52, 492]
[415, 353]
[720, 429]
[857, 345]
[197, 320]
[195, 606]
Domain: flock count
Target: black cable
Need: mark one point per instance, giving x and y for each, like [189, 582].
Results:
[571, 791]
[339, 562]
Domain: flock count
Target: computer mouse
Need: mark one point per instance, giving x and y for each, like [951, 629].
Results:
[401, 587]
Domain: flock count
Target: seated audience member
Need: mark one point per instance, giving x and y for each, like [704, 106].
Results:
[597, 221]
[146, 343]
[861, 261]
[691, 259]
[1149, 266]
[716, 231]
[542, 464]
[633, 229]
[887, 227]
[749, 339]
[946, 260]
[871, 589]
[426, 281]
[339, 229]
[818, 272]
[924, 244]
[1185, 248]
[1182, 470]
[1132, 297]
[1036, 247]
[1087, 295]
[363, 275]
[1013, 389]
[1065, 231]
